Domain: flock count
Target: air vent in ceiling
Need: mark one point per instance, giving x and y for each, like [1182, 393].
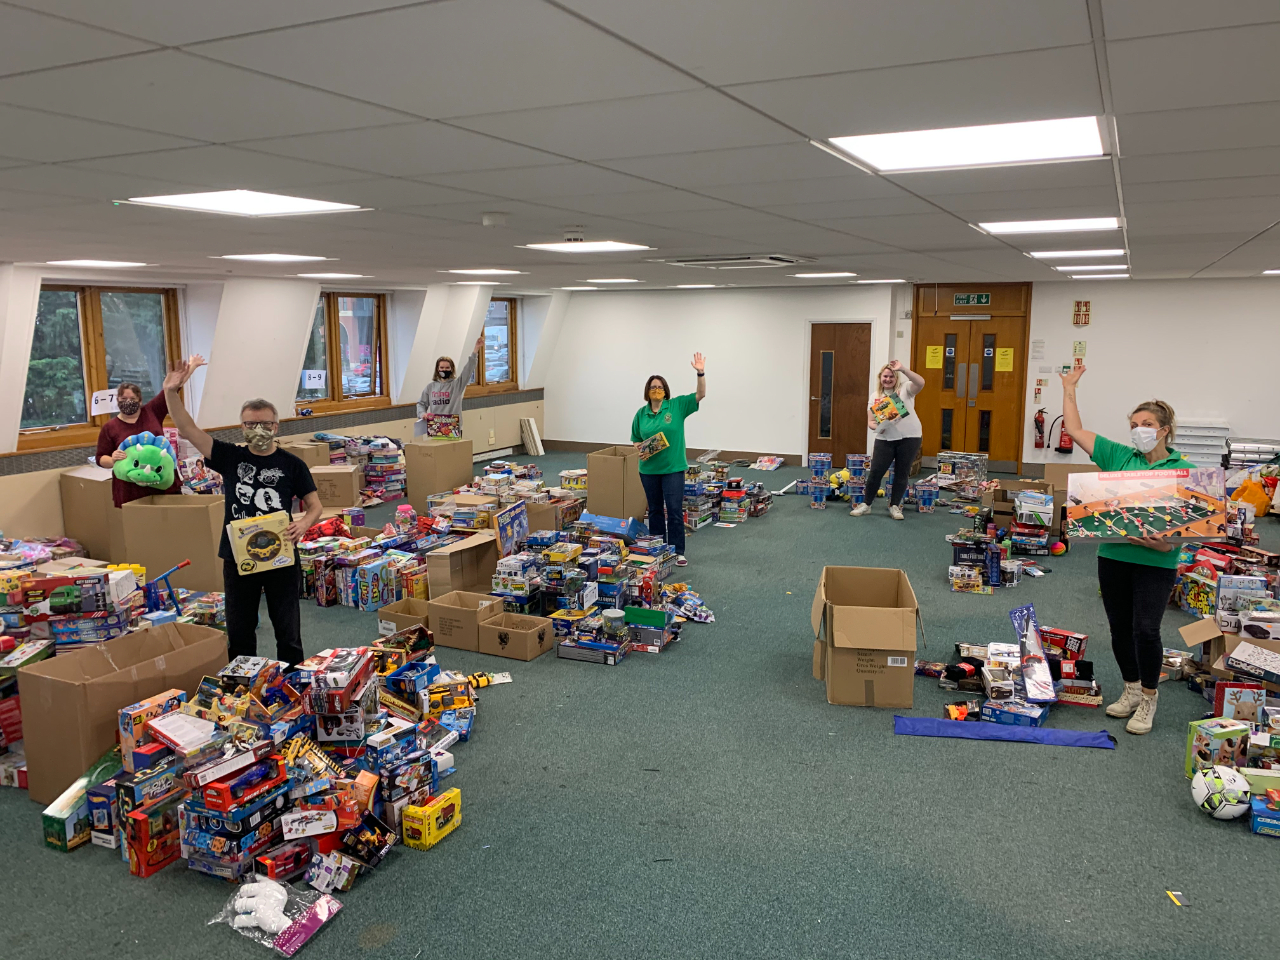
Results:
[742, 262]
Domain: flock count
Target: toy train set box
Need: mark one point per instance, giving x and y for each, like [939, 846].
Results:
[1181, 503]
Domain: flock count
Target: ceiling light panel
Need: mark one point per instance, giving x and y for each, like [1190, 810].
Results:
[1077, 267]
[878, 281]
[244, 203]
[1100, 276]
[486, 272]
[820, 276]
[1065, 254]
[270, 257]
[335, 276]
[1036, 141]
[586, 246]
[612, 280]
[104, 264]
[1052, 226]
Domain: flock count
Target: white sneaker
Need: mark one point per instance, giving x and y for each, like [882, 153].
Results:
[1128, 701]
[681, 561]
[1140, 723]
[861, 510]
[896, 512]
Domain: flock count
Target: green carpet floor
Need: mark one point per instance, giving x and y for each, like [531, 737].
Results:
[709, 802]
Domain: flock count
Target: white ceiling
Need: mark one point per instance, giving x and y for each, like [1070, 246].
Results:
[682, 124]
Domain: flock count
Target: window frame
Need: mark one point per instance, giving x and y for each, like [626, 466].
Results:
[94, 360]
[337, 401]
[482, 389]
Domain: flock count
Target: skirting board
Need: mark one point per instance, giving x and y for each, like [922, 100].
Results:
[582, 446]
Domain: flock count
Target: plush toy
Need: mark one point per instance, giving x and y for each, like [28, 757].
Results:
[261, 904]
[148, 461]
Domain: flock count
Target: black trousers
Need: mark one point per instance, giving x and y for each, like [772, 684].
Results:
[283, 588]
[901, 453]
[1135, 597]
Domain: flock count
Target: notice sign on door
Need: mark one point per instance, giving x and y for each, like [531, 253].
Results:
[933, 358]
[1004, 359]
[972, 300]
[314, 379]
[1080, 315]
[1078, 347]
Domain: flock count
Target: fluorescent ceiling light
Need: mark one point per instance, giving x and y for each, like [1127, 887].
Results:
[1093, 266]
[1271, 273]
[1052, 226]
[585, 246]
[270, 257]
[111, 264]
[244, 203]
[877, 281]
[1099, 276]
[817, 276]
[1065, 254]
[577, 288]
[478, 283]
[333, 276]
[485, 272]
[613, 280]
[1035, 141]
[695, 286]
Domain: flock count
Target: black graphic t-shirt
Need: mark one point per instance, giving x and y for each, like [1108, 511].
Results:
[257, 485]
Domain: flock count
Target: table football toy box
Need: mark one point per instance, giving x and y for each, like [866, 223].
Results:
[1216, 741]
[1180, 503]
[261, 543]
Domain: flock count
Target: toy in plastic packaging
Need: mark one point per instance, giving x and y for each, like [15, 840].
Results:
[276, 915]
[1036, 680]
[689, 605]
[149, 461]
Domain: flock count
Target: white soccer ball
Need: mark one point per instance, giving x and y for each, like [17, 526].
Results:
[1221, 792]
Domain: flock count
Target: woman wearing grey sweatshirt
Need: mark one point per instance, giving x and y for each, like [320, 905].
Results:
[443, 395]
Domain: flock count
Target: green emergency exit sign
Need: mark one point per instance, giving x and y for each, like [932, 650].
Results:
[973, 299]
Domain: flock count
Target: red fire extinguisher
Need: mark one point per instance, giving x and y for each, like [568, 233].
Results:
[1039, 421]
[1065, 444]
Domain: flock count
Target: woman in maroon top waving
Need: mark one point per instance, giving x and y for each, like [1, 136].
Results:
[134, 417]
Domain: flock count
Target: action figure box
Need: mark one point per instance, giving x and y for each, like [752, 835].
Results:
[1183, 503]
[261, 543]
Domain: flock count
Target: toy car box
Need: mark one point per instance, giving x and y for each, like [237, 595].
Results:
[423, 827]
[133, 719]
[1264, 817]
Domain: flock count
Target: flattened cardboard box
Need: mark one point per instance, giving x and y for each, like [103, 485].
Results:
[613, 483]
[456, 618]
[517, 637]
[864, 624]
[435, 466]
[467, 565]
[71, 703]
[162, 531]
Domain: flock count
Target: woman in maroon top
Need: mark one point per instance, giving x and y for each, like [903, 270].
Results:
[134, 418]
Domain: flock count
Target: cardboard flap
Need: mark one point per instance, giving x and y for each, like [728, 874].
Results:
[819, 660]
[873, 628]
[1202, 631]
[471, 543]
[819, 605]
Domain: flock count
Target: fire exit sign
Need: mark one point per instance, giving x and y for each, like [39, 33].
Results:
[973, 299]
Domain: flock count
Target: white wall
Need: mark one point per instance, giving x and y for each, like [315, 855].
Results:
[757, 347]
[1208, 347]
[19, 295]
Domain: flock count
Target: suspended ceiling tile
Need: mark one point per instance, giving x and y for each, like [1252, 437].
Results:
[1202, 128]
[40, 136]
[1031, 176]
[1032, 204]
[71, 181]
[853, 185]
[222, 168]
[796, 160]
[1203, 189]
[534, 183]
[33, 41]
[915, 231]
[1203, 165]
[640, 201]
[1142, 18]
[840, 209]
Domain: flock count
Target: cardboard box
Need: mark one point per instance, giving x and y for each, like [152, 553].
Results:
[338, 485]
[1056, 473]
[402, 615]
[58, 568]
[467, 565]
[517, 637]
[89, 514]
[456, 618]
[435, 466]
[311, 452]
[864, 623]
[553, 515]
[71, 703]
[613, 485]
[162, 531]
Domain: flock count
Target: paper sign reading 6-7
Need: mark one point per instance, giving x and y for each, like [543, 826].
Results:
[933, 358]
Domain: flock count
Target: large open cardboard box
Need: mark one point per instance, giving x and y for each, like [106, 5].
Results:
[613, 483]
[435, 466]
[162, 531]
[517, 637]
[466, 565]
[456, 618]
[403, 614]
[89, 514]
[71, 702]
[864, 625]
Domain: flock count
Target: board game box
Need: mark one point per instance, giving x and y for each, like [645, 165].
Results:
[888, 407]
[1186, 503]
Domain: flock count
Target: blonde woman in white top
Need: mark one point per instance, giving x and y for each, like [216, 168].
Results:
[897, 440]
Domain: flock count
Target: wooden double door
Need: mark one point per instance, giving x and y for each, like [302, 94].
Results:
[839, 374]
[970, 345]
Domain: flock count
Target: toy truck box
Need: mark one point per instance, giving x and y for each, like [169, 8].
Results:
[423, 827]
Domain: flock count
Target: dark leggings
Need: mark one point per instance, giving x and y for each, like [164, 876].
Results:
[901, 453]
[1135, 596]
[665, 493]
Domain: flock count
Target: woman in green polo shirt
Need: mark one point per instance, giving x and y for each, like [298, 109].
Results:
[1136, 577]
[662, 473]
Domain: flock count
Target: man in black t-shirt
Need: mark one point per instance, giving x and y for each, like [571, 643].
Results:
[260, 478]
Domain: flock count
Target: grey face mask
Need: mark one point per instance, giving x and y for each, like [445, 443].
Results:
[258, 437]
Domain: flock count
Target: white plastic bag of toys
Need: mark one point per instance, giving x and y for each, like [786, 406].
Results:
[276, 915]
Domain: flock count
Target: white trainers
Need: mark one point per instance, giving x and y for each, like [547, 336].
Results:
[1142, 718]
[1128, 702]
[681, 561]
[895, 511]
[861, 510]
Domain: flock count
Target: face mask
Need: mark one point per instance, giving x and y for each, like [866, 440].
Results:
[129, 406]
[258, 437]
[445, 374]
[656, 393]
[1144, 438]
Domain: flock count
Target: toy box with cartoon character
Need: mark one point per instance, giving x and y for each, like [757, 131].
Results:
[261, 543]
[152, 835]
[423, 827]
[1215, 742]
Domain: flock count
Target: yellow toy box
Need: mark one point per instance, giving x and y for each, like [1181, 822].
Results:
[261, 543]
[423, 827]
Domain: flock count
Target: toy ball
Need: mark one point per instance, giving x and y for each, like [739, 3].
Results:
[1057, 548]
[1220, 792]
[149, 461]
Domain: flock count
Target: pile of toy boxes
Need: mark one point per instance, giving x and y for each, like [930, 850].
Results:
[311, 776]
[735, 506]
[981, 563]
[700, 498]
[384, 473]
[1200, 565]
[1017, 682]
[818, 487]
[962, 475]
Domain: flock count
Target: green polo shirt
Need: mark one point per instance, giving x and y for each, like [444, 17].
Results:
[1112, 457]
[669, 421]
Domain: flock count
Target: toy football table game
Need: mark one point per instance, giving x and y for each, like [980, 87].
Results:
[1174, 504]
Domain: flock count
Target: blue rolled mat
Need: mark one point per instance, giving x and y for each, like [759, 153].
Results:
[968, 730]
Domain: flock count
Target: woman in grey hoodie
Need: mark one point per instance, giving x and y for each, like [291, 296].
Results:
[440, 405]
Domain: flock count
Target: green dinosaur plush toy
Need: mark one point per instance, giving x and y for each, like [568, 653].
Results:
[148, 461]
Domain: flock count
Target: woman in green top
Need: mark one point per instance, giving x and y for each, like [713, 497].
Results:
[1136, 577]
[662, 473]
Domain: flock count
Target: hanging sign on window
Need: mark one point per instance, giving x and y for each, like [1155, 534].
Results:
[314, 379]
[104, 401]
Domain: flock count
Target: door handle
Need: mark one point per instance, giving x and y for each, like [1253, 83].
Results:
[960, 369]
[813, 398]
[973, 384]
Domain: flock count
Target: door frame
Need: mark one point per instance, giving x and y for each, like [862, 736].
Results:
[1024, 360]
[804, 378]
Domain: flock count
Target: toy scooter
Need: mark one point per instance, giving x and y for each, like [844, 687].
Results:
[155, 599]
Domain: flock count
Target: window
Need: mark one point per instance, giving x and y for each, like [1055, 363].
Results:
[88, 339]
[495, 372]
[346, 355]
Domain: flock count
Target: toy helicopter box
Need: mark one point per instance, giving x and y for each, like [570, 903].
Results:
[1183, 503]
[261, 543]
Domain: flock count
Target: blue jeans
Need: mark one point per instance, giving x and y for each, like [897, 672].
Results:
[666, 506]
